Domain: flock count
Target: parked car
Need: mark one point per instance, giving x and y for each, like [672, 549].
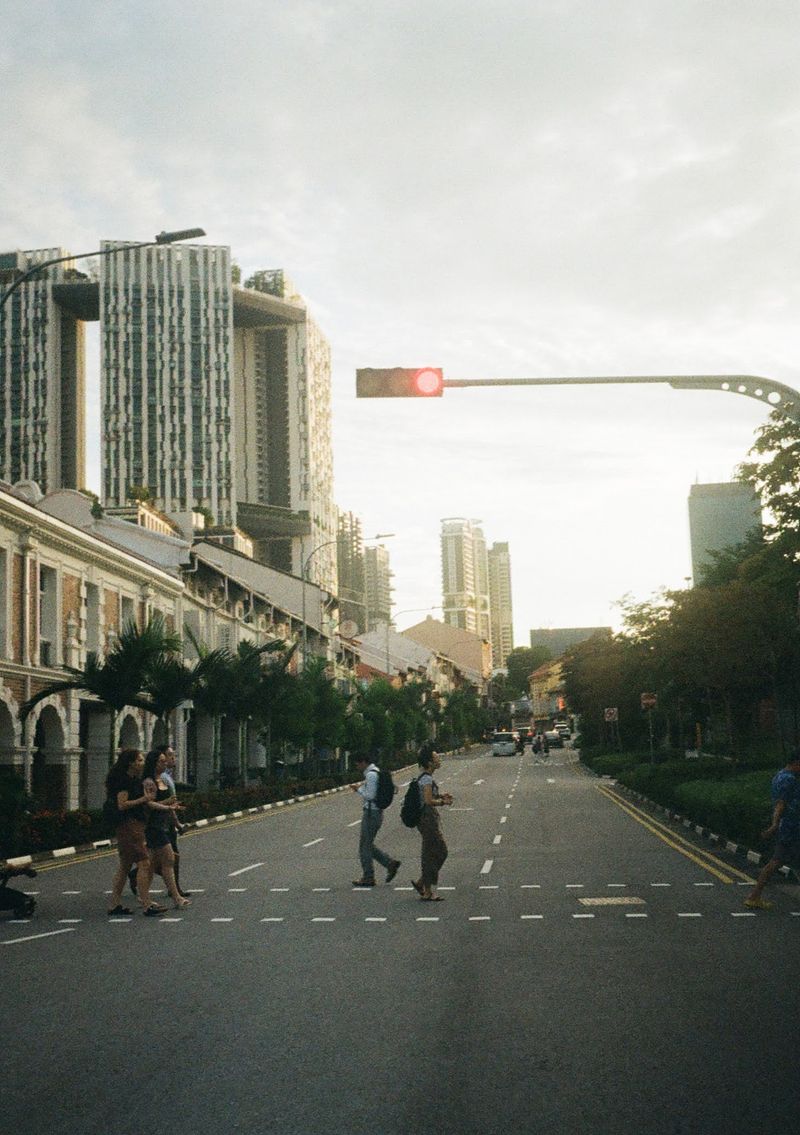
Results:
[554, 739]
[504, 745]
[564, 730]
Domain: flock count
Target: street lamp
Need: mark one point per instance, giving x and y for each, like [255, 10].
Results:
[161, 238]
[304, 579]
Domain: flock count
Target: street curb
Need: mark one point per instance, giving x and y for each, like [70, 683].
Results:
[755, 857]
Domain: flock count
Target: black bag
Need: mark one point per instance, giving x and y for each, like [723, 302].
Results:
[111, 815]
[386, 789]
[412, 806]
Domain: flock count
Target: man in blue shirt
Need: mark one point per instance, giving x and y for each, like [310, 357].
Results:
[785, 826]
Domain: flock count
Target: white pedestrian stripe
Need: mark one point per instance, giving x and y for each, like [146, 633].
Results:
[314, 841]
[480, 918]
[242, 870]
[704, 884]
[237, 890]
[222, 920]
[67, 921]
[321, 890]
[503, 819]
[272, 920]
[279, 890]
[170, 920]
[583, 916]
[375, 920]
[743, 914]
[71, 892]
[497, 839]
[487, 867]
[690, 914]
[487, 887]
[323, 919]
[636, 915]
[427, 920]
[528, 917]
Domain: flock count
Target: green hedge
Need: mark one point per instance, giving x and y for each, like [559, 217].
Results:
[659, 782]
[738, 808]
[47, 830]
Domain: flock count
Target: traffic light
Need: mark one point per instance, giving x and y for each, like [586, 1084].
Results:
[399, 382]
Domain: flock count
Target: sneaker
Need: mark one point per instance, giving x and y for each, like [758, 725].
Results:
[758, 904]
[363, 882]
[392, 870]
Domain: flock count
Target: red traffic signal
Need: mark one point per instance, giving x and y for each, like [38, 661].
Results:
[399, 382]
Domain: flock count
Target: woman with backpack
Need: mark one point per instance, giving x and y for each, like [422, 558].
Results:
[434, 848]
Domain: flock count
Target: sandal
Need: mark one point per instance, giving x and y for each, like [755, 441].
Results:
[182, 905]
[432, 898]
[119, 909]
[418, 888]
[154, 911]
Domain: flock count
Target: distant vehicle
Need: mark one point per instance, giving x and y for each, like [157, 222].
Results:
[524, 734]
[554, 739]
[504, 745]
[562, 728]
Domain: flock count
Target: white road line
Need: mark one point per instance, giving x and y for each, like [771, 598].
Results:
[222, 920]
[320, 890]
[742, 914]
[487, 867]
[636, 916]
[404, 888]
[33, 937]
[690, 914]
[237, 890]
[497, 839]
[477, 782]
[278, 890]
[575, 886]
[120, 920]
[507, 806]
[68, 921]
[314, 841]
[375, 920]
[550, 780]
[71, 892]
[583, 916]
[705, 884]
[488, 887]
[272, 920]
[170, 920]
[242, 870]
[616, 884]
[480, 918]
[323, 919]
[528, 917]
[354, 824]
[530, 886]
[661, 884]
[424, 919]
[503, 819]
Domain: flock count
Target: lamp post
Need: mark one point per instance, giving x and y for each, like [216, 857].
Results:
[304, 579]
[162, 238]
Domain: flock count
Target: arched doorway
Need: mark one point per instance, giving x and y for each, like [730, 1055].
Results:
[48, 769]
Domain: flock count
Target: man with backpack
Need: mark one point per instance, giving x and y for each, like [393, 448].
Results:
[377, 792]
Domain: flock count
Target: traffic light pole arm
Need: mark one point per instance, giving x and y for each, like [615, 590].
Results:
[777, 396]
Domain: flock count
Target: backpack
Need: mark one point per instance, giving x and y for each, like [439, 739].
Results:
[111, 813]
[386, 789]
[412, 806]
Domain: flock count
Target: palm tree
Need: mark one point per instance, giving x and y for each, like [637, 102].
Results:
[117, 680]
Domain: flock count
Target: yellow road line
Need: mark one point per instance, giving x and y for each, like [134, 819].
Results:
[687, 843]
[646, 823]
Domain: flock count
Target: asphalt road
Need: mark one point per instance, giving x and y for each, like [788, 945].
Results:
[588, 971]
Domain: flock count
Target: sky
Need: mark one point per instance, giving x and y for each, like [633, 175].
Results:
[503, 189]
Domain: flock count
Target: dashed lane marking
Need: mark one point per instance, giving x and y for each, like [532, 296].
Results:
[497, 839]
[427, 919]
[237, 890]
[222, 920]
[530, 917]
[323, 919]
[321, 890]
[272, 920]
[690, 914]
[480, 918]
[742, 914]
[313, 842]
[33, 937]
[487, 866]
[278, 890]
[375, 920]
[68, 921]
[242, 870]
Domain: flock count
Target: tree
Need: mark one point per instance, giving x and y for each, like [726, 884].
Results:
[118, 680]
[521, 663]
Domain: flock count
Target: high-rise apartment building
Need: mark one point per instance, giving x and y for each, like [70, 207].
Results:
[378, 585]
[720, 516]
[215, 397]
[42, 394]
[465, 576]
[501, 618]
[168, 411]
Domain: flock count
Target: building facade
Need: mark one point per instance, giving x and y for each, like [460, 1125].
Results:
[42, 376]
[465, 576]
[720, 516]
[378, 585]
[501, 615]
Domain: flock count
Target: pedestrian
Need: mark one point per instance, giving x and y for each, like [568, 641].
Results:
[177, 827]
[785, 827]
[371, 820]
[129, 801]
[162, 805]
[434, 848]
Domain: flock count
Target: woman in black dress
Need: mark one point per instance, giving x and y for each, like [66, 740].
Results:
[160, 822]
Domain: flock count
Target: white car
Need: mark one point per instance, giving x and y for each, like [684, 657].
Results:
[504, 745]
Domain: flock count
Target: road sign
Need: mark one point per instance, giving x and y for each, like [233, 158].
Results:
[649, 701]
[611, 714]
